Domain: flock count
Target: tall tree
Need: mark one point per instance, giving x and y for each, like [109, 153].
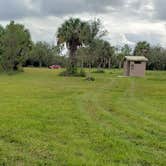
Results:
[16, 43]
[110, 56]
[1, 34]
[76, 33]
[40, 53]
[142, 48]
[157, 58]
[71, 33]
[1, 31]
[103, 51]
[126, 50]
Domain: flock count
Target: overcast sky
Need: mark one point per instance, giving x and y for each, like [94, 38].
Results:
[127, 21]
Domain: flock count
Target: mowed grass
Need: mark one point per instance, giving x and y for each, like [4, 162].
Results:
[50, 120]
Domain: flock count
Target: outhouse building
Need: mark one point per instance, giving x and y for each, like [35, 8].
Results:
[135, 66]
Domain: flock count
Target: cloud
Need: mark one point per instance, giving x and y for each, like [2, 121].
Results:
[8, 9]
[22, 8]
[15, 9]
[63, 7]
[126, 20]
[160, 8]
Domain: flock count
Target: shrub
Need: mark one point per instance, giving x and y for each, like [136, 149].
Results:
[66, 73]
[90, 79]
[82, 73]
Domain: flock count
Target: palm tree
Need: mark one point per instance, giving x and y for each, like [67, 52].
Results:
[142, 49]
[76, 33]
[73, 32]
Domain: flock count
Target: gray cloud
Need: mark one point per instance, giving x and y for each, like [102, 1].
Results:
[160, 9]
[153, 38]
[16, 9]
[11, 9]
[21, 8]
[138, 16]
[78, 6]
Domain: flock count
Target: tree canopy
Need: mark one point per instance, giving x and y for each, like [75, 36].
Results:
[76, 33]
[15, 45]
[84, 41]
[142, 48]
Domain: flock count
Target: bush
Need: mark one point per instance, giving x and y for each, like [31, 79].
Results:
[66, 73]
[90, 79]
[82, 73]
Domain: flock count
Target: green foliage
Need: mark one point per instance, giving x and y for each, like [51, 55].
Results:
[99, 54]
[102, 50]
[156, 55]
[142, 48]
[76, 33]
[85, 58]
[1, 50]
[72, 33]
[15, 44]
[85, 45]
[126, 50]
[82, 73]
[99, 71]
[156, 58]
[69, 73]
[120, 55]
[41, 53]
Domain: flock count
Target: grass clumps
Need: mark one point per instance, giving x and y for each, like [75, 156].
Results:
[90, 78]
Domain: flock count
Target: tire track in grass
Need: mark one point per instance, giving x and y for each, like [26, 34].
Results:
[127, 117]
[124, 116]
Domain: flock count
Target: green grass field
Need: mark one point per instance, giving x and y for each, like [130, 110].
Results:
[50, 120]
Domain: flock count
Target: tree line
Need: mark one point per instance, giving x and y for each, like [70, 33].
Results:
[85, 44]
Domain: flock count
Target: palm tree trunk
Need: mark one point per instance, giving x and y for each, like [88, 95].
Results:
[72, 68]
[109, 63]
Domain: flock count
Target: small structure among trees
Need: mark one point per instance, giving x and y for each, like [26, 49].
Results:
[135, 66]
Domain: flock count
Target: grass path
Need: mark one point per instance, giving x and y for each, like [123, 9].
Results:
[50, 120]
